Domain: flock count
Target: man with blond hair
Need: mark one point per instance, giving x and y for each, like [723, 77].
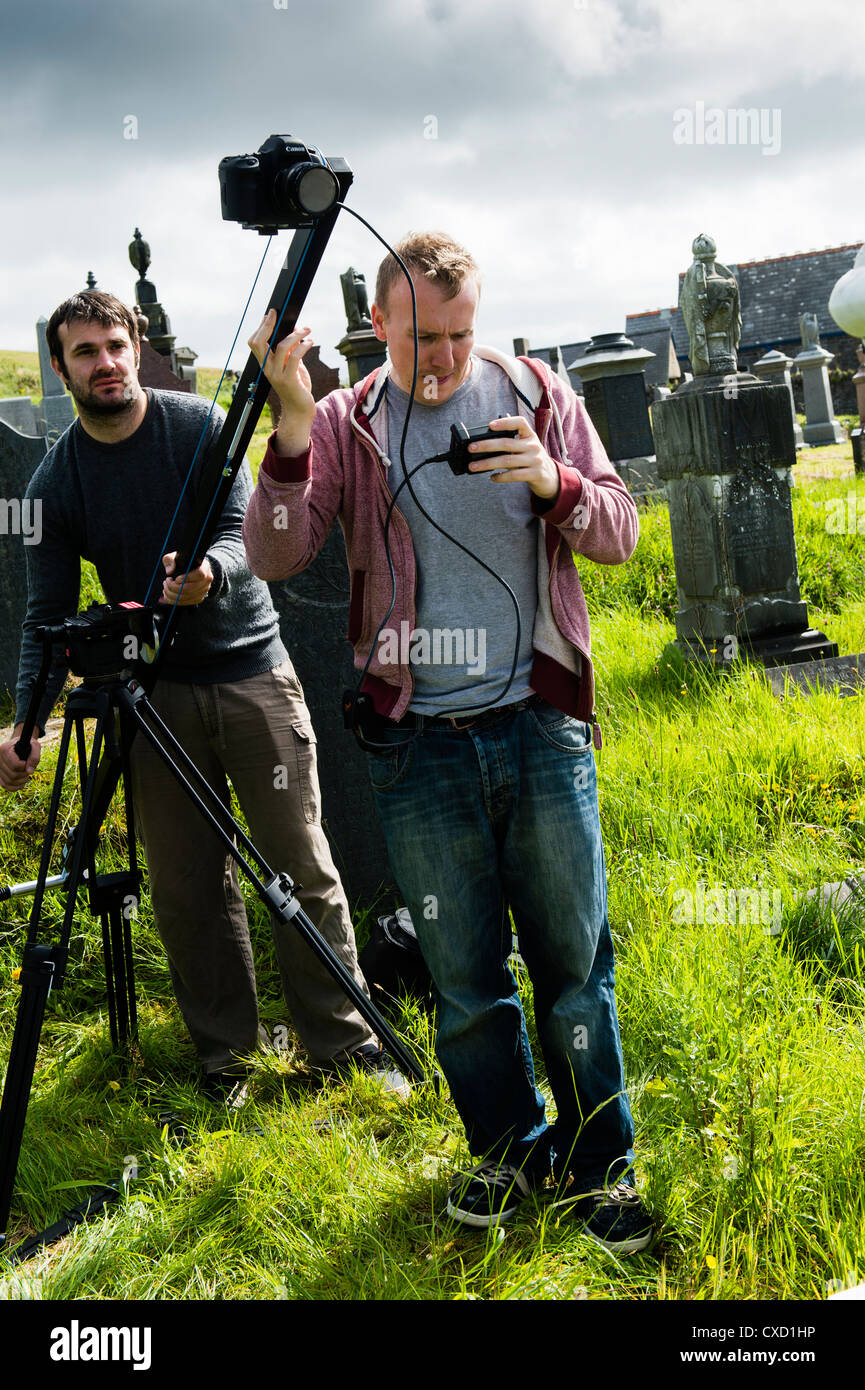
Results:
[482, 770]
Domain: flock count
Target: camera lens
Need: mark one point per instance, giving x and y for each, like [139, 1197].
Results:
[310, 188]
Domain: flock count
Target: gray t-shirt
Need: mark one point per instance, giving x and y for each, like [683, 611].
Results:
[462, 649]
[113, 504]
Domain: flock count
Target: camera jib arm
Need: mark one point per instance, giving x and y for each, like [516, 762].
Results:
[291, 288]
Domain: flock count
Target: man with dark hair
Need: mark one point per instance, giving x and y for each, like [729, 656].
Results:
[227, 690]
[480, 744]
[90, 306]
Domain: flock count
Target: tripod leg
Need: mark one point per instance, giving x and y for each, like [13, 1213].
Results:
[43, 966]
[36, 977]
[116, 932]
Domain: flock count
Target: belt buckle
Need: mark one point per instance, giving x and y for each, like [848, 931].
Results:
[460, 728]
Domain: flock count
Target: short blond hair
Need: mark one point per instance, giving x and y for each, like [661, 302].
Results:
[433, 256]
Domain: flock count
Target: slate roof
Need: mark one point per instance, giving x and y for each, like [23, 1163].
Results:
[773, 293]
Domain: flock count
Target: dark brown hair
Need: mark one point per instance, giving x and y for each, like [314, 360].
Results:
[90, 306]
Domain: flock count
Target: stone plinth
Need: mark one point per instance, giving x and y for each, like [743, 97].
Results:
[843, 674]
[725, 451]
[820, 427]
[363, 351]
[774, 369]
[614, 386]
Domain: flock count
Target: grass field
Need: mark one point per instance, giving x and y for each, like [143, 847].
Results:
[742, 1031]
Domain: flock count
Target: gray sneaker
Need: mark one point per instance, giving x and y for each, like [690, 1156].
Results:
[379, 1066]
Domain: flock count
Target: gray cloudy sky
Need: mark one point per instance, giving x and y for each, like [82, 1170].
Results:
[561, 154]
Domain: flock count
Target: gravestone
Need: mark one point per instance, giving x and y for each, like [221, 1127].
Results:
[813, 362]
[154, 370]
[56, 410]
[313, 621]
[725, 450]
[612, 371]
[774, 368]
[360, 347]
[159, 333]
[20, 414]
[614, 386]
[553, 357]
[845, 675]
[20, 455]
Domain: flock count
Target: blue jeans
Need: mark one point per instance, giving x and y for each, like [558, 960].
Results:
[476, 821]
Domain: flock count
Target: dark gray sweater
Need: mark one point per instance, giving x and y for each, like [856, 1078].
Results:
[113, 504]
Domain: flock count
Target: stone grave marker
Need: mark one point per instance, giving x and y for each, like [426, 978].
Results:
[20, 414]
[725, 450]
[774, 367]
[20, 455]
[313, 621]
[57, 410]
[612, 371]
[360, 347]
[813, 362]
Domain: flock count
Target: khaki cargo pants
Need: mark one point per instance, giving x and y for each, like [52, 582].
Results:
[258, 733]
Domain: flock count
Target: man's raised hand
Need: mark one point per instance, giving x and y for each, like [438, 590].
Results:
[284, 369]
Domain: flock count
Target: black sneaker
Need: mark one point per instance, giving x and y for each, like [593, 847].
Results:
[615, 1218]
[488, 1195]
[379, 1066]
[229, 1089]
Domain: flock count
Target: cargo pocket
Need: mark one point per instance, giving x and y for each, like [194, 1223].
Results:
[307, 771]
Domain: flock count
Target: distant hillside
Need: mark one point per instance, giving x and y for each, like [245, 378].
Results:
[19, 374]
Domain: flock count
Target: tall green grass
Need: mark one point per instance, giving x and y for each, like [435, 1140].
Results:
[742, 1037]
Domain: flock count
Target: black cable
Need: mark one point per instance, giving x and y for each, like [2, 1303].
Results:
[408, 475]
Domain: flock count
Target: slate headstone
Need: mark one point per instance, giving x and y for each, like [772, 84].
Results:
[313, 621]
[20, 455]
[725, 450]
[56, 410]
[20, 414]
[614, 387]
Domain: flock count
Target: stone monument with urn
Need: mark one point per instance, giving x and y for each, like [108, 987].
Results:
[725, 450]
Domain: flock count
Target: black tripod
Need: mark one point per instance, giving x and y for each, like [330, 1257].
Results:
[121, 709]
